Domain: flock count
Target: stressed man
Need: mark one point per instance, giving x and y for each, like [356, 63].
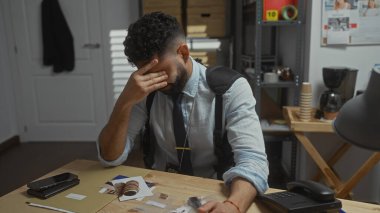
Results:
[181, 117]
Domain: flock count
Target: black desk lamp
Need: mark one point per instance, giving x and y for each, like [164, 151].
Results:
[358, 121]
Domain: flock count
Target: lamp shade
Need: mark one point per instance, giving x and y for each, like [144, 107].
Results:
[358, 121]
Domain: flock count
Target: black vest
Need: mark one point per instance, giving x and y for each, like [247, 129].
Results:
[219, 79]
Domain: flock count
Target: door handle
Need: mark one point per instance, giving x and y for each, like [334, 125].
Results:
[91, 46]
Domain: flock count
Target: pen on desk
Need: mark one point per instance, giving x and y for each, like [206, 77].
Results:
[48, 207]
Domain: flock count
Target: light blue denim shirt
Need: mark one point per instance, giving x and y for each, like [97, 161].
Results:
[242, 126]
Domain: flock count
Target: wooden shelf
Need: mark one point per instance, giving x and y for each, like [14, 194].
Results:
[296, 125]
[332, 179]
[266, 126]
[280, 23]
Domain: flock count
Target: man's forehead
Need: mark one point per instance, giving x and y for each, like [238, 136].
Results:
[162, 62]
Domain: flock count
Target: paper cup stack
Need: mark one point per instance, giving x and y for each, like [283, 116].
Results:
[305, 102]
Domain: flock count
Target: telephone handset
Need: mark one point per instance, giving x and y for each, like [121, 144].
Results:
[312, 189]
[302, 196]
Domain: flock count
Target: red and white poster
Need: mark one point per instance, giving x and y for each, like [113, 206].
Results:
[350, 22]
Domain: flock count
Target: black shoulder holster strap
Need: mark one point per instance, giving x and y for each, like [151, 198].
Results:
[219, 80]
[148, 140]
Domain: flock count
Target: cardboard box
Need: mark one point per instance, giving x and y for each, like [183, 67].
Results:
[206, 22]
[172, 7]
[202, 3]
[204, 18]
[161, 3]
[207, 58]
[173, 11]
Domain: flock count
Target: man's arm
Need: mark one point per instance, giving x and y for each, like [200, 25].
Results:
[241, 197]
[242, 194]
[112, 138]
[249, 176]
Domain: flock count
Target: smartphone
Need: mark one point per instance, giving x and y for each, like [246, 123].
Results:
[53, 190]
[43, 184]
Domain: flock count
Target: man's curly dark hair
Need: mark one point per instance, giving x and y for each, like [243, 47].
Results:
[151, 34]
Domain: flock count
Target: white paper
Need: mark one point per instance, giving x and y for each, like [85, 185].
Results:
[156, 204]
[182, 209]
[102, 190]
[143, 188]
[76, 196]
[151, 189]
[342, 37]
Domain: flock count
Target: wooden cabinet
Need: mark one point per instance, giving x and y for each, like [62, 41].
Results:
[203, 21]
[206, 21]
[207, 58]
[172, 7]
[206, 18]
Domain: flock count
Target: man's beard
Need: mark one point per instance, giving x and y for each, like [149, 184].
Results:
[179, 83]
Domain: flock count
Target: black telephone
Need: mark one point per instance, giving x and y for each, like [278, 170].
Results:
[302, 196]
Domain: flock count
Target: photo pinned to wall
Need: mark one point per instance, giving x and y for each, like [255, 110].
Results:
[350, 22]
[338, 29]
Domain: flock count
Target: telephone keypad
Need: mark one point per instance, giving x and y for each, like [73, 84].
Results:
[281, 195]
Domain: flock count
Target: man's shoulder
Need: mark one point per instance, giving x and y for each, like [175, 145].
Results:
[220, 79]
[210, 83]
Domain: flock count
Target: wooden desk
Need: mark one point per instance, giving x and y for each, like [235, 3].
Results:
[300, 128]
[178, 186]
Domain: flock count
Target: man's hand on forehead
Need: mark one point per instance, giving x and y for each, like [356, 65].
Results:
[145, 68]
[142, 82]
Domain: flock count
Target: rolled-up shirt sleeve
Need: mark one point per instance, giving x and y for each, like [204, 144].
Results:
[136, 121]
[245, 136]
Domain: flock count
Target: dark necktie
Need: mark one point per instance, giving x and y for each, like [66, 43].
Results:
[182, 146]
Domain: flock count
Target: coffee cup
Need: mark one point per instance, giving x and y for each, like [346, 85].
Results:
[270, 77]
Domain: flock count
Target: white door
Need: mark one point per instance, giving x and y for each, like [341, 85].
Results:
[68, 106]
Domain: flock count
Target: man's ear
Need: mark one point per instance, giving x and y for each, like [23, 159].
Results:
[184, 52]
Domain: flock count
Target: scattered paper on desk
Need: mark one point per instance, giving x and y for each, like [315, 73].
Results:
[156, 204]
[182, 209]
[76, 196]
[151, 189]
[92, 179]
[142, 191]
[192, 206]
[109, 187]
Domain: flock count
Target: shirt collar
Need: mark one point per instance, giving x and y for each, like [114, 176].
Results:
[191, 86]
